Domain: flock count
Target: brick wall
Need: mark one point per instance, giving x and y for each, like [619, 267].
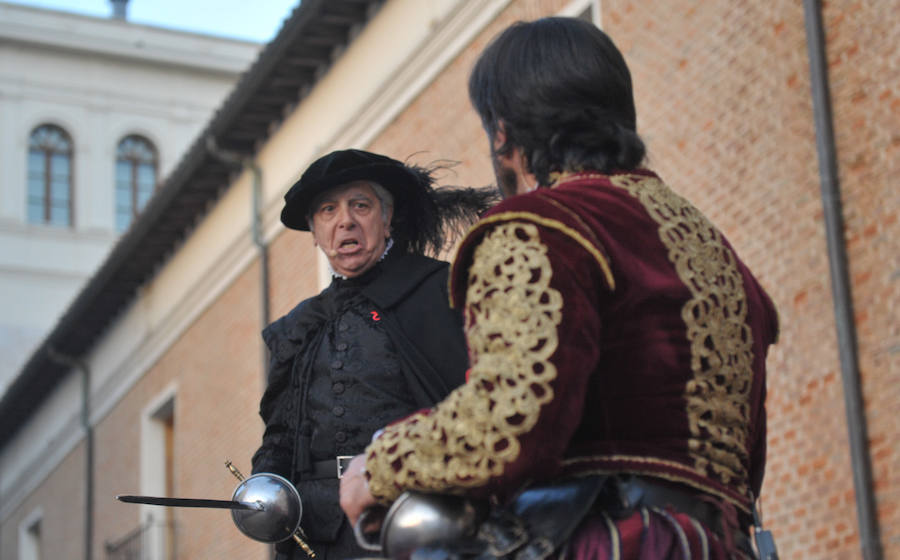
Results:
[292, 270]
[864, 39]
[61, 501]
[440, 123]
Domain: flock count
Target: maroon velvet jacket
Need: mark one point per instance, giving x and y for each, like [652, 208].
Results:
[611, 328]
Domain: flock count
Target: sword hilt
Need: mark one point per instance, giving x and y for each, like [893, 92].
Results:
[237, 474]
[298, 535]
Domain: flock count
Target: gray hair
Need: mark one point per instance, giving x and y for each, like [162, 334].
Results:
[384, 197]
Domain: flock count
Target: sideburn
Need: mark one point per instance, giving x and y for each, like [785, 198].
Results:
[507, 182]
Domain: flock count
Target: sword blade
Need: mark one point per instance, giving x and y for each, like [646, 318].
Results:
[190, 502]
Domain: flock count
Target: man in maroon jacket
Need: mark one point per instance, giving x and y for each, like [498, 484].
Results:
[617, 342]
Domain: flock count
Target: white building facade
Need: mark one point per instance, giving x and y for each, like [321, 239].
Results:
[94, 113]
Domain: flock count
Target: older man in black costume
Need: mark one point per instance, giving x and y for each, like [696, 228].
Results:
[377, 344]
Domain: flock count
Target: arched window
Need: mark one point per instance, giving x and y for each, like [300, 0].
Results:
[136, 163]
[50, 176]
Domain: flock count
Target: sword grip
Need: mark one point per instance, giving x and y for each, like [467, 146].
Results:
[237, 474]
[298, 534]
[309, 552]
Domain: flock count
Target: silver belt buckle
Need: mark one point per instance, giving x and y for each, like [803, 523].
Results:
[342, 461]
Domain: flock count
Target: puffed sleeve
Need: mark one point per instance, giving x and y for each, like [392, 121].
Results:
[278, 406]
[287, 339]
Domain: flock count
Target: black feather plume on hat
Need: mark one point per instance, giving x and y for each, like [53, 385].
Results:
[436, 217]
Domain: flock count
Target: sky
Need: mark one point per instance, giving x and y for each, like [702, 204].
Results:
[256, 20]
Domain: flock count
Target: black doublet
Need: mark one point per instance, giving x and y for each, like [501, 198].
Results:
[344, 363]
[356, 380]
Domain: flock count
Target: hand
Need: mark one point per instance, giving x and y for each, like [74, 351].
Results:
[355, 495]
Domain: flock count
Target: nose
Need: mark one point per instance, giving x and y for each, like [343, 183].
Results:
[345, 217]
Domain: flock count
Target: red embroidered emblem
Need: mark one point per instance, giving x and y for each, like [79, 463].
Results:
[375, 316]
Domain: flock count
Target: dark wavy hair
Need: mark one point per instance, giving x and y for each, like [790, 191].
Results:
[562, 91]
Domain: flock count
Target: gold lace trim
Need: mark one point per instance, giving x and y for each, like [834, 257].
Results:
[718, 403]
[512, 317]
[589, 246]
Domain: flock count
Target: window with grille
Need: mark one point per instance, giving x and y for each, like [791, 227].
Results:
[50, 176]
[136, 165]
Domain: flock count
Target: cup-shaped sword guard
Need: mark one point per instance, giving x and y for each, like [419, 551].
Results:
[281, 509]
[418, 519]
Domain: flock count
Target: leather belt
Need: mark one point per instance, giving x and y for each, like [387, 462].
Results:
[331, 468]
[636, 491]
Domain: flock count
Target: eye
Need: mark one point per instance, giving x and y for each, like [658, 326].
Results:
[326, 208]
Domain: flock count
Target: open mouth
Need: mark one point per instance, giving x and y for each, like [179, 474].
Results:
[348, 245]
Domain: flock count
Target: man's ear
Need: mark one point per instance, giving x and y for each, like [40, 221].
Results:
[499, 138]
[509, 158]
[388, 219]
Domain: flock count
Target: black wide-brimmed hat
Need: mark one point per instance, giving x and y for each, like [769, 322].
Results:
[345, 166]
[422, 216]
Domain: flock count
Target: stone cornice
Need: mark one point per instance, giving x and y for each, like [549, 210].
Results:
[61, 31]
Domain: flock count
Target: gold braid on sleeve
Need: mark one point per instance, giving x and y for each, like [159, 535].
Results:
[512, 318]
